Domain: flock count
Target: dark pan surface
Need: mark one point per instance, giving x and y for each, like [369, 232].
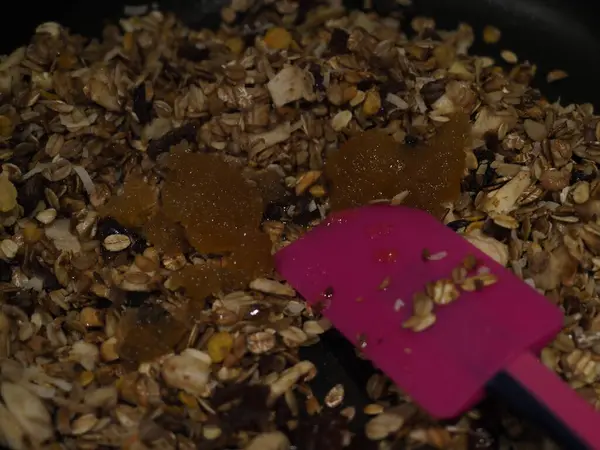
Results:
[554, 34]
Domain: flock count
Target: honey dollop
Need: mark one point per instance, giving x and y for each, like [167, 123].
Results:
[135, 206]
[372, 166]
[206, 205]
[211, 199]
[148, 332]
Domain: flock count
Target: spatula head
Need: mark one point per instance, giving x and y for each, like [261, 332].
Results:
[362, 264]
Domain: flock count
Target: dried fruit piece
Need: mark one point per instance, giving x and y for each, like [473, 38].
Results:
[8, 194]
[278, 38]
[372, 103]
[135, 206]
[219, 345]
[6, 126]
[372, 166]
[491, 34]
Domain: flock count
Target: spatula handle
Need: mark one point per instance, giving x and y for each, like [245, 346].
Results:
[544, 398]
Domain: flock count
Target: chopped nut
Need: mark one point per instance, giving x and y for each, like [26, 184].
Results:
[289, 85]
[108, 350]
[261, 342]
[188, 371]
[91, 317]
[335, 396]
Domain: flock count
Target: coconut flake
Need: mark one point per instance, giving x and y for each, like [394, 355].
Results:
[397, 101]
[88, 184]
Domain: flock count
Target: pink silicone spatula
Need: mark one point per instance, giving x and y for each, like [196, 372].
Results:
[362, 264]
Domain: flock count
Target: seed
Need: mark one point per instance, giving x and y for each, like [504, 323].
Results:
[9, 248]
[372, 409]
[340, 120]
[306, 180]
[211, 432]
[358, 98]
[116, 242]
[509, 57]
[86, 377]
[385, 283]
[459, 275]
[478, 282]
[8, 193]
[219, 345]
[425, 323]
[260, 342]
[420, 323]
[383, 425]
[335, 396]
[46, 216]
[375, 386]
[536, 131]
[348, 412]
[556, 75]
[507, 222]
[372, 103]
[422, 304]
[581, 192]
[491, 35]
[470, 262]
[145, 264]
[83, 424]
[273, 440]
[317, 191]
[312, 328]
[293, 336]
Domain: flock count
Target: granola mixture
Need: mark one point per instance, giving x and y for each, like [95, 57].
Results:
[134, 314]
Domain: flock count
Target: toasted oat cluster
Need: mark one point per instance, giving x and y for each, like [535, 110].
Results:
[148, 176]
